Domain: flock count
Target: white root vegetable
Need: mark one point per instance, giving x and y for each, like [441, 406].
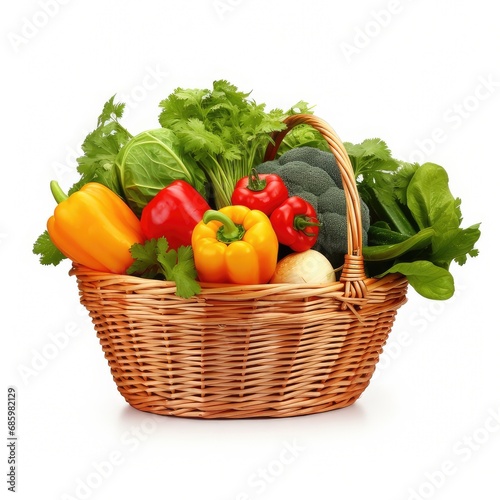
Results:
[310, 266]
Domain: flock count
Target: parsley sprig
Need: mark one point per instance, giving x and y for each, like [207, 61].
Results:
[100, 148]
[224, 130]
[155, 260]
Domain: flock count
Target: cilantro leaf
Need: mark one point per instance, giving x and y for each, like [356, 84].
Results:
[145, 258]
[111, 111]
[184, 273]
[101, 147]
[155, 260]
[224, 130]
[374, 170]
[373, 166]
[48, 252]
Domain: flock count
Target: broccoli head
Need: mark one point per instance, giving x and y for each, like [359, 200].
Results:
[314, 175]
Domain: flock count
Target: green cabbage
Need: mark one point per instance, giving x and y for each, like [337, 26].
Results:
[149, 162]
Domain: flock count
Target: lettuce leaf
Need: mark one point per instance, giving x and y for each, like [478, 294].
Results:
[433, 205]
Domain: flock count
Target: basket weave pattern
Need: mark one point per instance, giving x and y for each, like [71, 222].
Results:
[239, 351]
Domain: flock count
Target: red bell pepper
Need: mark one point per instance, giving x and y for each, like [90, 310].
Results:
[173, 213]
[263, 192]
[296, 224]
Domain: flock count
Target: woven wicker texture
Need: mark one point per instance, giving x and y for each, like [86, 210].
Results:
[238, 351]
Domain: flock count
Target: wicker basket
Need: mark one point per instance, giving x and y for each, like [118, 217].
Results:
[238, 351]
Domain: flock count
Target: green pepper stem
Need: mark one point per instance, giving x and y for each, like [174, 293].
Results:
[229, 231]
[58, 194]
[302, 222]
[255, 183]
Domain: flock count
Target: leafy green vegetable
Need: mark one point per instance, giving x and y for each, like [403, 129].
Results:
[433, 205]
[380, 233]
[101, 147]
[225, 132]
[154, 260]
[150, 161]
[420, 240]
[413, 210]
[373, 167]
[456, 245]
[429, 280]
[48, 252]
[303, 136]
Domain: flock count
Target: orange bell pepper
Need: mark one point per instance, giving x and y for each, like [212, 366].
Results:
[235, 245]
[94, 227]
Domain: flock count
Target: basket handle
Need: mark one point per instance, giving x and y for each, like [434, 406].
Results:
[353, 272]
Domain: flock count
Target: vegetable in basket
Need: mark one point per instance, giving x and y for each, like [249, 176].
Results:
[150, 161]
[313, 175]
[263, 192]
[309, 266]
[296, 224]
[94, 227]
[416, 221]
[235, 245]
[173, 213]
[155, 260]
[223, 130]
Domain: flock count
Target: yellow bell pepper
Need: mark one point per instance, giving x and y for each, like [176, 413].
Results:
[235, 245]
[94, 227]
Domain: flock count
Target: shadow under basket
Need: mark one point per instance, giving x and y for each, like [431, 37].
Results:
[241, 351]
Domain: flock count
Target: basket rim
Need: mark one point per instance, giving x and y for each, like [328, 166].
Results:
[233, 290]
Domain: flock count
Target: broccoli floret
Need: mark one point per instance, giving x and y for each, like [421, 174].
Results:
[316, 158]
[332, 200]
[314, 175]
[332, 238]
[298, 175]
[269, 167]
[310, 178]
[365, 218]
[308, 196]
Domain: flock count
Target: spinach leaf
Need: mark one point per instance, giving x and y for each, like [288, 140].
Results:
[430, 200]
[433, 205]
[429, 280]
[456, 245]
[412, 207]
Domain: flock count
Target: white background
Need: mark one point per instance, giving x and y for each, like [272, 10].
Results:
[422, 75]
